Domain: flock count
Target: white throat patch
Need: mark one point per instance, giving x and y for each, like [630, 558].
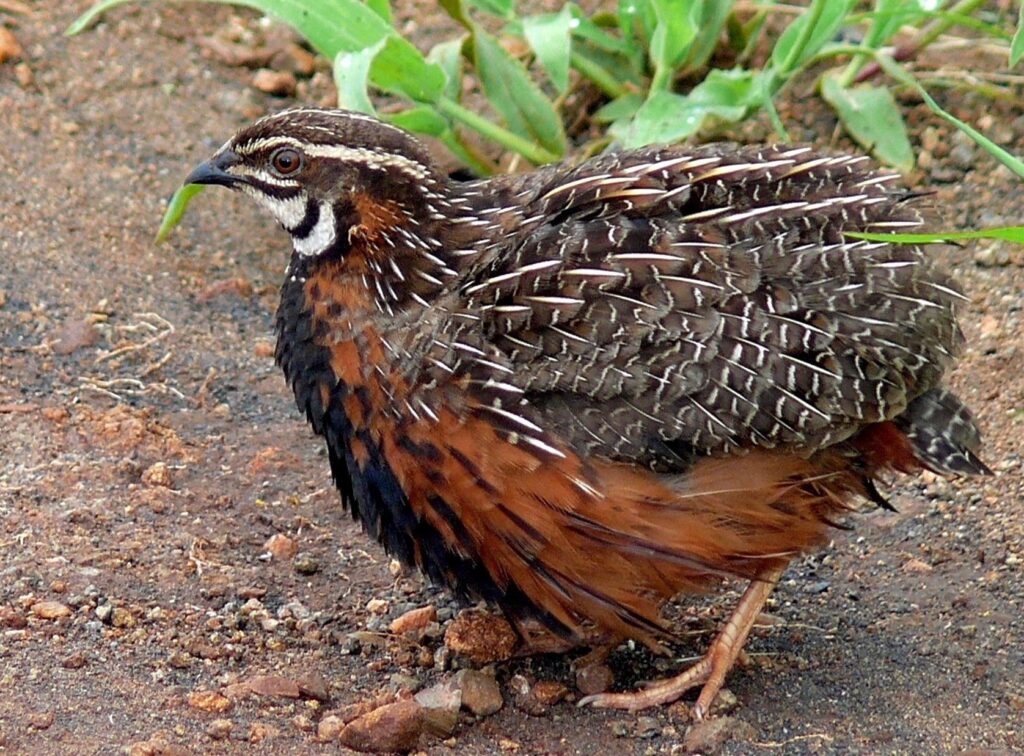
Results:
[322, 236]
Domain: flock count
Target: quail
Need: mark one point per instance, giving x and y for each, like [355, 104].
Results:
[581, 391]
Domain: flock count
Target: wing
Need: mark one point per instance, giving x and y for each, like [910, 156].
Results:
[670, 303]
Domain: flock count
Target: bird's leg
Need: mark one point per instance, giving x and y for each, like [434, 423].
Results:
[712, 668]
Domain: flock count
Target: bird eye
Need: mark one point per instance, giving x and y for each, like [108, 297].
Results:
[286, 161]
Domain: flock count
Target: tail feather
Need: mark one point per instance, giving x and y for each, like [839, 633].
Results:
[943, 434]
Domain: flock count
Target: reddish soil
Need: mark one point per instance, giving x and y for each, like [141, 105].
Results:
[151, 449]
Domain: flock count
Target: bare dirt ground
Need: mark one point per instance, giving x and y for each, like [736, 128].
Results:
[150, 449]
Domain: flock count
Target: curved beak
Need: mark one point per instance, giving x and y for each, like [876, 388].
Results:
[216, 171]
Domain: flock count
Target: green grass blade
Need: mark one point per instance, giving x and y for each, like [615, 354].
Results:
[872, 117]
[894, 70]
[1013, 234]
[1017, 46]
[176, 209]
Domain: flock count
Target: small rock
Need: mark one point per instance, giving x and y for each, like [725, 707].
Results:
[994, 255]
[104, 612]
[122, 617]
[51, 610]
[252, 592]
[647, 727]
[219, 729]
[313, 685]
[916, 565]
[209, 700]
[393, 727]
[74, 335]
[377, 606]
[724, 703]
[399, 682]
[157, 474]
[24, 75]
[482, 638]
[263, 349]
[41, 720]
[274, 685]
[329, 728]
[989, 326]
[594, 678]
[549, 692]
[260, 731]
[279, 83]
[962, 156]
[441, 704]
[9, 46]
[306, 564]
[12, 618]
[709, 736]
[480, 693]
[77, 660]
[414, 620]
[281, 547]
[819, 586]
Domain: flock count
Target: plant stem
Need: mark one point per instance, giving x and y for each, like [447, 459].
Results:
[856, 72]
[532, 152]
[814, 13]
[604, 80]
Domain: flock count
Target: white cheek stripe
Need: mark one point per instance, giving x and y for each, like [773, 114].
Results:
[322, 236]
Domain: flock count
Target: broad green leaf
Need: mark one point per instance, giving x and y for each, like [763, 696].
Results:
[448, 55]
[1013, 234]
[423, 120]
[585, 28]
[803, 38]
[619, 108]
[401, 69]
[501, 8]
[351, 71]
[511, 92]
[668, 117]
[1017, 46]
[382, 8]
[550, 37]
[675, 29]
[872, 117]
[176, 209]
[318, 22]
[896, 71]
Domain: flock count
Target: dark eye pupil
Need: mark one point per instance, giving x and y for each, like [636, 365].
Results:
[286, 161]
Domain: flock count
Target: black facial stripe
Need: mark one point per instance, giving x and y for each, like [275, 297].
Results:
[309, 220]
[274, 190]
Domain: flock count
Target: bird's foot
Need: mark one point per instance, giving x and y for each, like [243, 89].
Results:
[711, 670]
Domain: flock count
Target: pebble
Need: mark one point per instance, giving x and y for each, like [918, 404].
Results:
[441, 704]
[209, 700]
[549, 692]
[219, 729]
[51, 610]
[329, 728]
[77, 660]
[414, 620]
[392, 727]
[74, 335]
[41, 720]
[306, 564]
[399, 682]
[377, 606]
[279, 83]
[709, 736]
[281, 547]
[647, 727]
[594, 678]
[482, 638]
[9, 45]
[274, 685]
[157, 475]
[480, 692]
[313, 685]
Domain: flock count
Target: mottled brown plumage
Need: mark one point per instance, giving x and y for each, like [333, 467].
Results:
[581, 391]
